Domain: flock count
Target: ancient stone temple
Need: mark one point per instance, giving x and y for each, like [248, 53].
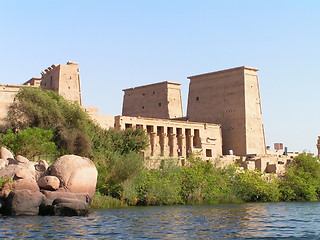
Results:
[230, 98]
[63, 79]
[223, 114]
[159, 100]
[176, 138]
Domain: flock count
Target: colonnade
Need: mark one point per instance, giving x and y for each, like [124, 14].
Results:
[170, 141]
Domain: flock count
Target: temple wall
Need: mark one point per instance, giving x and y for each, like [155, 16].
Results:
[172, 138]
[159, 100]
[7, 93]
[230, 98]
[104, 121]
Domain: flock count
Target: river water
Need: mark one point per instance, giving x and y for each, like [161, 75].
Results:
[227, 221]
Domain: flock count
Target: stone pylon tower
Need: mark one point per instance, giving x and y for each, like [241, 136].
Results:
[231, 98]
[159, 100]
[63, 79]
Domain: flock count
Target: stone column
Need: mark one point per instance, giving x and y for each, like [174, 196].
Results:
[157, 145]
[173, 145]
[152, 143]
[189, 145]
[147, 152]
[161, 143]
[181, 145]
[165, 142]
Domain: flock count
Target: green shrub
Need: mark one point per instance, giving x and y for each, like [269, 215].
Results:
[100, 201]
[4, 180]
[121, 141]
[48, 110]
[205, 184]
[301, 182]
[31, 142]
[159, 188]
[115, 170]
[250, 186]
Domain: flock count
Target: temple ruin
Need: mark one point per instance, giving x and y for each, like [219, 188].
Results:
[223, 122]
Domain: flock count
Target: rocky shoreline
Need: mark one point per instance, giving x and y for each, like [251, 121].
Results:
[65, 188]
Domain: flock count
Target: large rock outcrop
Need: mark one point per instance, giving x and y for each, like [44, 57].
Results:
[77, 174]
[65, 188]
[23, 202]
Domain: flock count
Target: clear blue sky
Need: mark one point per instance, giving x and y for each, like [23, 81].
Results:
[122, 44]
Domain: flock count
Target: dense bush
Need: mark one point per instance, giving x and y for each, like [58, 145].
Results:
[202, 183]
[159, 187]
[301, 181]
[115, 169]
[71, 126]
[101, 201]
[74, 131]
[252, 186]
[197, 183]
[31, 143]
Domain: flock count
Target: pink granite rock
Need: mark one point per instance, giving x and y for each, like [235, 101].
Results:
[5, 154]
[23, 202]
[49, 183]
[29, 184]
[77, 174]
[3, 163]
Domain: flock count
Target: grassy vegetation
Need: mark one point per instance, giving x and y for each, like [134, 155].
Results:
[202, 183]
[44, 124]
[100, 201]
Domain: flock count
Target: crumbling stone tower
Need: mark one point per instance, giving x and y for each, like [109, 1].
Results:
[230, 98]
[159, 100]
[63, 79]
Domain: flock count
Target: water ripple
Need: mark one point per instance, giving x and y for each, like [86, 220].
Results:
[229, 221]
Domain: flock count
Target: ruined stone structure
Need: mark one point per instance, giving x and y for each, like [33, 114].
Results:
[63, 79]
[7, 93]
[160, 100]
[223, 114]
[231, 98]
[175, 138]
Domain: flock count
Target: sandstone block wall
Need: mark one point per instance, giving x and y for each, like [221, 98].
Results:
[172, 138]
[7, 93]
[230, 98]
[160, 100]
[104, 121]
[63, 79]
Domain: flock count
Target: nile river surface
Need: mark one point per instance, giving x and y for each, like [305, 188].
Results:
[234, 221]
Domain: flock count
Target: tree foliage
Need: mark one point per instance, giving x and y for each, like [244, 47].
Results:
[33, 107]
[301, 181]
[252, 186]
